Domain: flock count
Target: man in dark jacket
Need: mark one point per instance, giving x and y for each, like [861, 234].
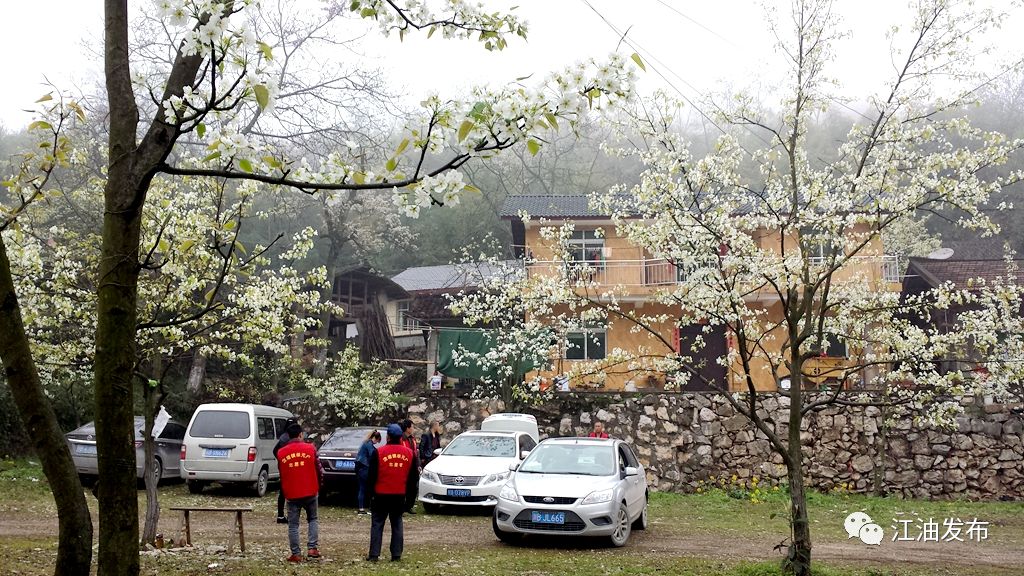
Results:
[393, 476]
[301, 477]
[283, 439]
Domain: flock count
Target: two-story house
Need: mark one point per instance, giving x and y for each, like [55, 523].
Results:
[607, 258]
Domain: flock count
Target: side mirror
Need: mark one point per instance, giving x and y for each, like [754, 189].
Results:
[632, 471]
[437, 451]
[513, 466]
[524, 454]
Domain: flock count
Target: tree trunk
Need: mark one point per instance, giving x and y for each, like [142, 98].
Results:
[74, 545]
[197, 373]
[153, 398]
[799, 559]
[324, 331]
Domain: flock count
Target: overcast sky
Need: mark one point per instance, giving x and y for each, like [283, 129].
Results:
[691, 46]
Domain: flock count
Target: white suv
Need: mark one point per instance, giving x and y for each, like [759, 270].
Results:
[471, 470]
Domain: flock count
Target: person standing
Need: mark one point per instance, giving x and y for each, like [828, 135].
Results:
[367, 451]
[393, 476]
[283, 439]
[301, 476]
[598, 430]
[430, 441]
[409, 441]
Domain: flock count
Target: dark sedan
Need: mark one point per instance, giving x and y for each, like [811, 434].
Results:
[338, 454]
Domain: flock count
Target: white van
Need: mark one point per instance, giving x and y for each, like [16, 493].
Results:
[232, 443]
[512, 422]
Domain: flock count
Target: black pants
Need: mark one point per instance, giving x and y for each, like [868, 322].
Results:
[280, 502]
[387, 507]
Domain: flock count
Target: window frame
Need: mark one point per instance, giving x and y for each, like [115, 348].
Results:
[584, 243]
[405, 321]
[588, 333]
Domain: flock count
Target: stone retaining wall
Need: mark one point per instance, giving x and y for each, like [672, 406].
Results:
[684, 439]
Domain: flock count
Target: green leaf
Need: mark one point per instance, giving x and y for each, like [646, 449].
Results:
[262, 95]
[464, 129]
[40, 125]
[153, 383]
[45, 98]
[212, 156]
[229, 225]
[402, 146]
[431, 32]
[201, 130]
[209, 296]
[391, 165]
[359, 178]
[268, 52]
[552, 119]
[533, 146]
[368, 12]
[639, 62]
[471, 188]
[186, 245]
[272, 162]
[245, 165]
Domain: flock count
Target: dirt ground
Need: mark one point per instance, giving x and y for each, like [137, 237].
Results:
[345, 536]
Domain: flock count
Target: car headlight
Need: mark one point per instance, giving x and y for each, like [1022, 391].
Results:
[598, 497]
[430, 476]
[497, 477]
[508, 492]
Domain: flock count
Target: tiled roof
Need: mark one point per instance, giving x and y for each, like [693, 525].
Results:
[551, 206]
[959, 272]
[449, 277]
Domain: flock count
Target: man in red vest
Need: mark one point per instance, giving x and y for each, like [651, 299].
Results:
[598, 430]
[393, 476]
[301, 476]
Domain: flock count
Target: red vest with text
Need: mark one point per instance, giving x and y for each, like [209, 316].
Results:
[394, 462]
[595, 435]
[297, 462]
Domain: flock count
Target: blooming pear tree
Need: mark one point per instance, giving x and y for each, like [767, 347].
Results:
[788, 258]
[355, 389]
[219, 76]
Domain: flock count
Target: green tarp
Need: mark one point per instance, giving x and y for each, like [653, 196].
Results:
[477, 341]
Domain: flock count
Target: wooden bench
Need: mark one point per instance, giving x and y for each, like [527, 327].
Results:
[236, 526]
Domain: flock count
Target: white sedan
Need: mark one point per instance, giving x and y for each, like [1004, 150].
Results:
[574, 487]
[471, 470]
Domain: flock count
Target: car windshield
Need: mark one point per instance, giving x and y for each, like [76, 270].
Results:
[584, 459]
[480, 445]
[347, 439]
[220, 424]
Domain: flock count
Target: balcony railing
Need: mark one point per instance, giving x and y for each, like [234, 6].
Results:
[655, 272]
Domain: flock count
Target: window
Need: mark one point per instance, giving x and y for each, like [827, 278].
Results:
[817, 245]
[586, 247]
[220, 424]
[587, 344]
[265, 428]
[279, 425]
[406, 322]
[526, 444]
[833, 347]
[173, 431]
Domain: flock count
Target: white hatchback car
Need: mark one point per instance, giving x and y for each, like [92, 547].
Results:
[472, 468]
[574, 487]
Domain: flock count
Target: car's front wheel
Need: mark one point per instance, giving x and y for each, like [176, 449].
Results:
[506, 537]
[622, 527]
[261, 483]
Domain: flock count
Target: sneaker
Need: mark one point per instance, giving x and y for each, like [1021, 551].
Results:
[295, 558]
[313, 554]
[396, 558]
[282, 520]
[410, 511]
[371, 558]
[362, 511]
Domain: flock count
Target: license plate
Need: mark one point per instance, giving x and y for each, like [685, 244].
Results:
[344, 464]
[216, 452]
[547, 517]
[459, 492]
[89, 449]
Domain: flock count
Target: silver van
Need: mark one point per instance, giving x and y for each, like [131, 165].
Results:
[232, 443]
